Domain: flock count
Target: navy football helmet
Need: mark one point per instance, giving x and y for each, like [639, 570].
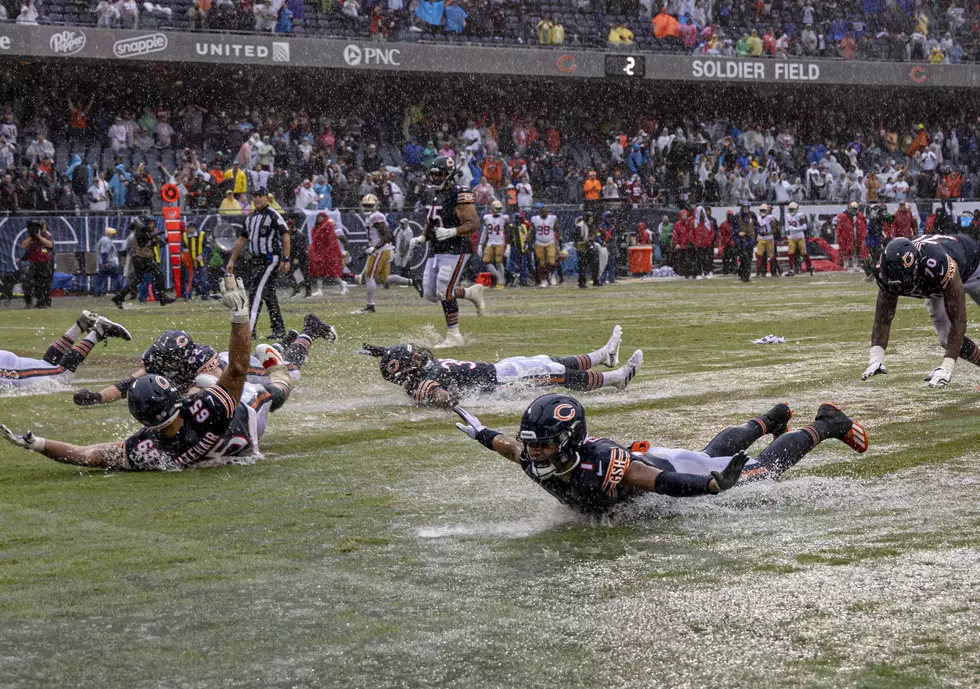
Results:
[552, 420]
[899, 268]
[403, 363]
[154, 401]
[442, 172]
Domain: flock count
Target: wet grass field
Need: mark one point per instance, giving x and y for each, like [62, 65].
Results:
[376, 546]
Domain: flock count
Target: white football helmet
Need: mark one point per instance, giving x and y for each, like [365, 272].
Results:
[496, 206]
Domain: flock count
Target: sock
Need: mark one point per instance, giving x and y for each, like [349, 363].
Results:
[452, 329]
[74, 357]
[501, 277]
[61, 346]
[280, 385]
[735, 439]
[372, 288]
[577, 362]
[588, 380]
[451, 310]
[969, 351]
[299, 350]
[398, 280]
[787, 450]
[459, 293]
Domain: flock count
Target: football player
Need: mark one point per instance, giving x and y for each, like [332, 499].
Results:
[378, 251]
[765, 248]
[942, 269]
[493, 241]
[64, 355]
[224, 420]
[594, 474]
[796, 227]
[443, 382]
[451, 219]
[401, 257]
[179, 359]
[546, 247]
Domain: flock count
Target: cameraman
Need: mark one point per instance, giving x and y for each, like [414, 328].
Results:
[145, 256]
[40, 266]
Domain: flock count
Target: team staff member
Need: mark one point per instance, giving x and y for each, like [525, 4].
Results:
[40, 269]
[195, 248]
[267, 237]
[145, 257]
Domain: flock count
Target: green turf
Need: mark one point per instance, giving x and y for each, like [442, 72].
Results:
[376, 546]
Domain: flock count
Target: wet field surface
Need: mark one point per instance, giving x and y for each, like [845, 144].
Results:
[376, 546]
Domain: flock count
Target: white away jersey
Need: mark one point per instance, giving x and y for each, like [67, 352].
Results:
[493, 226]
[544, 230]
[796, 225]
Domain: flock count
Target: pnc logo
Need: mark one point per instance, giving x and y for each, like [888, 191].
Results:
[355, 55]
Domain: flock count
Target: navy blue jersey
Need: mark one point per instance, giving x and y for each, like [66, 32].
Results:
[440, 206]
[214, 426]
[180, 368]
[458, 378]
[594, 485]
[941, 257]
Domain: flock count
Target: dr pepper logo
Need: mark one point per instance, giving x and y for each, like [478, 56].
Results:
[67, 42]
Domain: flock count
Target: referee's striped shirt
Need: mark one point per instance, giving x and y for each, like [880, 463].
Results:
[264, 229]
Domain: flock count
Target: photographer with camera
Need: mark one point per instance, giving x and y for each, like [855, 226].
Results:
[145, 257]
[40, 266]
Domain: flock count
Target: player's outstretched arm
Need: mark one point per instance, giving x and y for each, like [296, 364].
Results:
[235, 297]
[102, 456]
[505, 446]
[113, 393]
[884, 315]
[954, 297]
[679, 485]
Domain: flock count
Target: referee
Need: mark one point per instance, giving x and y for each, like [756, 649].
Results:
[267, 237]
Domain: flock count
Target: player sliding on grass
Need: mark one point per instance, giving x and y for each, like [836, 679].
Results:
[554, 449]
[942, 269]
[443, 382]
[179, 359]
[224, 420]
[64, 355]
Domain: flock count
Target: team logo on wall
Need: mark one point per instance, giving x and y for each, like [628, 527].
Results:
[67, 42]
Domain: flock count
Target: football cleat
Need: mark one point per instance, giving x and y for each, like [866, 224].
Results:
[452, 340]
[316, 328]
[842, 426]
[105, 328]
[367, 309]
[474, 293]
[629, 370]
[778, 418]
[611, 349]
[289, 338]
[269, 356]
[86, 321]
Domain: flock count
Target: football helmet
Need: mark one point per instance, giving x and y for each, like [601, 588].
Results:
[369, 203]
[442, 172]
[496, 207]
[154, 401]
[793, 207]
[376, 218]
[554, 422]
[169, 352]
[899, 266]
[765, 209]
[401, 363]
[852, 207]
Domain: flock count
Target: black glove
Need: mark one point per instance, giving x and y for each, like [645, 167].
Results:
[85, 398]
[728, 477]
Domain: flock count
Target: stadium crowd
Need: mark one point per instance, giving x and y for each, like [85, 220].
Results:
[937, 32]
[74, 154]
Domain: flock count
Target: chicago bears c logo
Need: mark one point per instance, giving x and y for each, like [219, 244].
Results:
[163, 382]
[908, 258]
[181, 340]
[564, 412]
[392, 366]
